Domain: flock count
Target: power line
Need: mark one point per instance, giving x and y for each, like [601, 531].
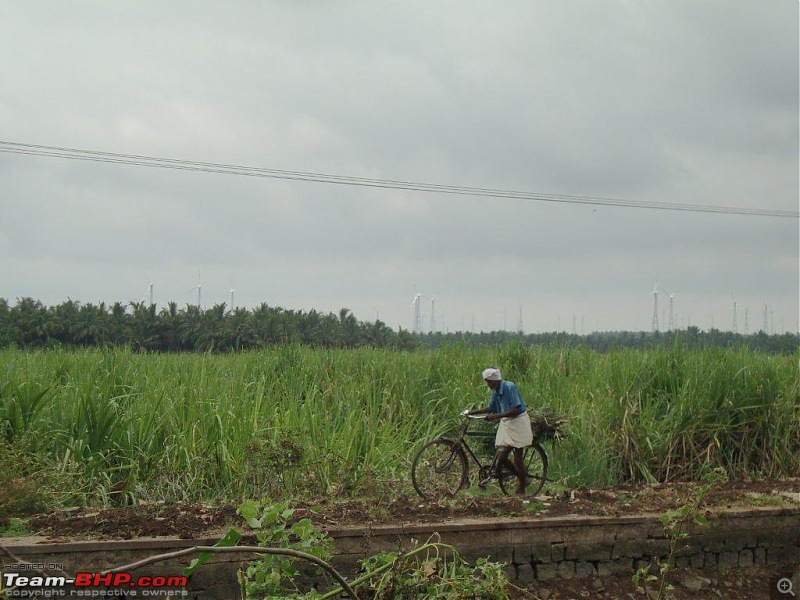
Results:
[242, 170]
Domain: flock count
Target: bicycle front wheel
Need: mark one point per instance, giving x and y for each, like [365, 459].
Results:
[439, 469]
[535, 461]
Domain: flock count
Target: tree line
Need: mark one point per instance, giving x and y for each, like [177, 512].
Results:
[691, 338]
[141, 326]
[71, 324]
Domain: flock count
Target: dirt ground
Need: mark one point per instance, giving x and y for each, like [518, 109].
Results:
[198, 521]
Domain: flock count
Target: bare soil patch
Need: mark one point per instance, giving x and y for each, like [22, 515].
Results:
[197, 520]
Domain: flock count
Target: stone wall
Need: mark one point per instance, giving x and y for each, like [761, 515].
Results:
[534, 548]
[540, 549]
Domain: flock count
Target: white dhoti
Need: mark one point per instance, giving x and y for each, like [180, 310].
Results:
[515, 432]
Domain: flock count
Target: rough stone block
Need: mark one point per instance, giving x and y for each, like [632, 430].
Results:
[471, 553]
[682, 562]
[346, 564]
[477, 542]
[760, 556]
[657, 547]
[545, 571]
[358, 546]
[779, 529]
[595, 545]
[566, 569]
[783, 555]
[590, 544]
[641, 563]
[686, 547]
[737, 532]
[629, 541]
[711, 559]
[604, 567]
[525, 573]
[654, 529]
[746, 558]
[615, 567]
[585, 569]
[728, 560]
[541, 551]
[713, 541]
[557, 551]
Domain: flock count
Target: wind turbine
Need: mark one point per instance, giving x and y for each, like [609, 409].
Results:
[735, 326]
[433, 312]
[671, 312]
[149, 295]
[671, 322]
[199, 288]
[655, 307]
[231, 294]
[417, 312]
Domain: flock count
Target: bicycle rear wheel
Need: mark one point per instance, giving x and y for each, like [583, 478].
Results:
[439, 469]
[535, 460]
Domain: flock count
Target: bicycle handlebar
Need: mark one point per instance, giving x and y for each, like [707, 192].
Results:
[465, 412]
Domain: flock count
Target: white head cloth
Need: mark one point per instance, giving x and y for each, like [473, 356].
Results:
[492, 374]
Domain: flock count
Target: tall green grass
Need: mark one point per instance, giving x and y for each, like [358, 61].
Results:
[107, 426]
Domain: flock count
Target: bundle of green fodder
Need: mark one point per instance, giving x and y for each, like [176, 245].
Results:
[548, 425]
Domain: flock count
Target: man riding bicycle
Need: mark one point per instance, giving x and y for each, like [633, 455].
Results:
[514, 430]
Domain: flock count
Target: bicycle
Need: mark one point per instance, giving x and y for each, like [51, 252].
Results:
[440, 468]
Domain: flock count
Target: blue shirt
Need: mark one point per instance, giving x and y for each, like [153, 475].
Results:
[505, 398]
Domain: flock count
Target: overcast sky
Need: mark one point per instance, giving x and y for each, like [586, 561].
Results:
[662, 101]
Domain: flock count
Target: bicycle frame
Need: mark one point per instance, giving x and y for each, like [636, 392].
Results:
[461, 442]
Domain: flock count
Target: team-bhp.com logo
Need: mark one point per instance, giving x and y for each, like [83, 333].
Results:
[93, 585]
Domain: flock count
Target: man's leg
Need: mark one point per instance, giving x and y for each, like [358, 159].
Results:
[519, 455]
[502, 458]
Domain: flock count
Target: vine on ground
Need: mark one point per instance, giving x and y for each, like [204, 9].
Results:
[432, 569]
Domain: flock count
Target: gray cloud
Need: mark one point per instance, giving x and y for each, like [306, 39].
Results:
[660, 101]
